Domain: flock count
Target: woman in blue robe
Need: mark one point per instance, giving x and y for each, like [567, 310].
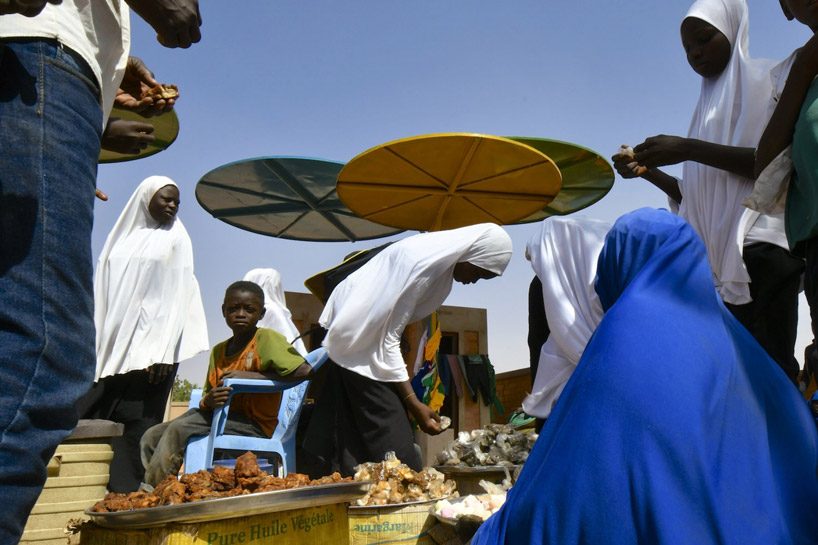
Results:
[676, 427]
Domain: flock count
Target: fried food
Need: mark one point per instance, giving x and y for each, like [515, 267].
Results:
[163, 91]
[114, 501]
[219, 482]
[170, 491]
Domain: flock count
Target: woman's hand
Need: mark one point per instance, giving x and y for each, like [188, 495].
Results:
[662, 150]
[426, 418]
[216, 397]
[158, 372]
[627, 167]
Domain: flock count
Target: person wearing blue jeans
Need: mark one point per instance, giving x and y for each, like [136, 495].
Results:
[50, 129]
[60, 66]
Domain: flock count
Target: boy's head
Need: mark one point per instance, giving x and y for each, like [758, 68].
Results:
[243, 306]
[707, 48]
[805, 11]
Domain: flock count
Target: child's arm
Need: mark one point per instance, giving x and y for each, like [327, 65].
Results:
[627, 168]
[426, 418]
[303, 371]
[663, 150]
[215, 397]
[778, 134]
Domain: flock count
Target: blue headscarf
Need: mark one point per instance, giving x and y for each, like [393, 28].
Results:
[676, 427]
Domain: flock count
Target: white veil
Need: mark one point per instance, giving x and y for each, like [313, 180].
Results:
[367, 312]
[733, 109]
[564, 254]
[147, 305]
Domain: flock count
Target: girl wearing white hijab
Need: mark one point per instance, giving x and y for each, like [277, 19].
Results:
[149, 316]
[563, 253]
[277, 316]
[734, 106]
[365, 317]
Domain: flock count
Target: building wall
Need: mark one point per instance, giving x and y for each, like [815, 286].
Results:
[512, 387]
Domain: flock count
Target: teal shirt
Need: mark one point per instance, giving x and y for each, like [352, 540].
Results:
[802, 198]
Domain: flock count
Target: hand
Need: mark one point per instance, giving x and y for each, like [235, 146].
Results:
[216, 397]
[627, 167]
[176, 22]
[158, 372]
[29, 8]
[123, 136]
[100, 195]
[426, 418]
[242, 374]
[661, 150]
[133, 91]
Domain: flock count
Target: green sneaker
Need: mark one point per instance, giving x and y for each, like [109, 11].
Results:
[519, 419]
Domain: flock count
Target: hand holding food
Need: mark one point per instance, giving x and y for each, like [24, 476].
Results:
[140, 92]
[625, 163]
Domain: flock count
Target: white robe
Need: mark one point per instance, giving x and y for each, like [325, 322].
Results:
[147, 305]
[367, 312]
[277, 316]
[564, 254]
[733, 110]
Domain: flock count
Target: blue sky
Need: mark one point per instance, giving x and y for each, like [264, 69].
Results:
[331, 79]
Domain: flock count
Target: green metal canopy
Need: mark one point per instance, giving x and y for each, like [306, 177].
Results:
[586, 176]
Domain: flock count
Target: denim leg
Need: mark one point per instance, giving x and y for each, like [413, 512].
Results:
[50, 124]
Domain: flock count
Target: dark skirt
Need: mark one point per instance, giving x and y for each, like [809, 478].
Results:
[128, 399]
[359, 420]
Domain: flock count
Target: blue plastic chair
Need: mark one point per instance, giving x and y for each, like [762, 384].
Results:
[199, 451]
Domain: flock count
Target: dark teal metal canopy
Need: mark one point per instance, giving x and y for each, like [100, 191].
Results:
[285, 197]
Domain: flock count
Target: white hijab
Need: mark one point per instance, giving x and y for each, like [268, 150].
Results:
[277, 316]
[564, 254]
[367, 312]
[733, 110]
[148, 308]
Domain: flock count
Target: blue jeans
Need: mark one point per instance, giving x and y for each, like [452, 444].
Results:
[50, 125]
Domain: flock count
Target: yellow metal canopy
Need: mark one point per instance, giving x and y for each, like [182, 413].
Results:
[443, 181]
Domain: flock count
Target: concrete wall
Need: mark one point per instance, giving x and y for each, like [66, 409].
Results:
[512, 387]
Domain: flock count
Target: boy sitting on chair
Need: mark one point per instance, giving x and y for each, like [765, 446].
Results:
[252, 352]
